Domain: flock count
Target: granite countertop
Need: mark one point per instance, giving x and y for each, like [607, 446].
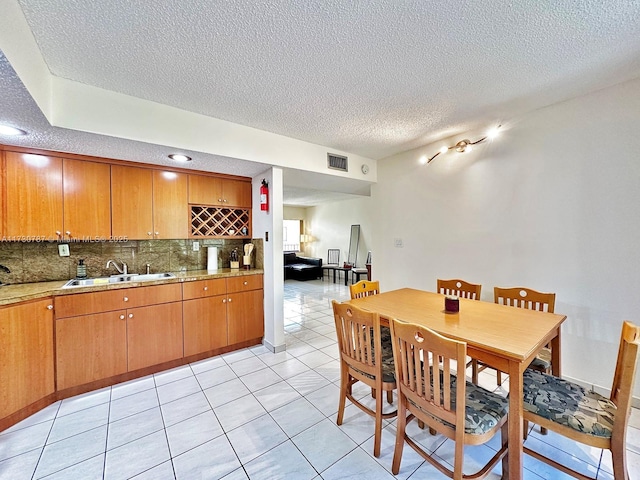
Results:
[31, 291]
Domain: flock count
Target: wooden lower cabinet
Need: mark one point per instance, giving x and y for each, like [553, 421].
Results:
[26, 355]
[205, 324]
[154, 335]
[90, 348]
[245, 316]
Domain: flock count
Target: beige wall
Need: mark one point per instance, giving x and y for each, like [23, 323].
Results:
[551, 204]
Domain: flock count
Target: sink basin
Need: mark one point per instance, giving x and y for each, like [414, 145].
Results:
[133, 277]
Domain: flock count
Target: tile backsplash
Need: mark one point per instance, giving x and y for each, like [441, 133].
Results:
[40, 262]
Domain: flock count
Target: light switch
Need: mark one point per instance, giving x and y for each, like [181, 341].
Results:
[397, 242]
[196, 246]
[63, 250]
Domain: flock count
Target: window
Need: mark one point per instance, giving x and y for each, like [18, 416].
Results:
[291, 235]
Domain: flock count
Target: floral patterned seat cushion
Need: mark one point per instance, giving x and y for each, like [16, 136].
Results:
[542, 360]
[568, 404]
[483, 409]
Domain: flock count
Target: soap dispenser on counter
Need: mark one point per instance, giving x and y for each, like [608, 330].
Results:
[81, 269]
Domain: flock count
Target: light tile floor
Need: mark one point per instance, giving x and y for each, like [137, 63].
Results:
[250, 414]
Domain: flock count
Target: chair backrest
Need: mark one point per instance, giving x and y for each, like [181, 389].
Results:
[624, 376]
[525, 298]
[358, 331]
[368, 261]
[333, 256]
[423, 361]
[459, 288]
[364, 288]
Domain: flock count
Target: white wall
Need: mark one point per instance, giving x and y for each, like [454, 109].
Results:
[551, 204]
[270, 224]
[330, 226]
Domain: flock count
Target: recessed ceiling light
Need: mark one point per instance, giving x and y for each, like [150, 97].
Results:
[178, 157]
[7, 130]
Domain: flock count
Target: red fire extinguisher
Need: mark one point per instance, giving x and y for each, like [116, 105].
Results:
[264, 196]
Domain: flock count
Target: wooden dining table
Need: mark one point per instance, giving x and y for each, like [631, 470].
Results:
[504, 337]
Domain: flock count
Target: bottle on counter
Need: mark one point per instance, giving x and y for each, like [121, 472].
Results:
[81, 269]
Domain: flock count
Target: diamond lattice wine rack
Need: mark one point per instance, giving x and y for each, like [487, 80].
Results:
[220, 222]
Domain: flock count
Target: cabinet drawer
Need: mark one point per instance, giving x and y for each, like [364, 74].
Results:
[244, 283]
[93, 302]
[204, 288]
[154, 295]
[109, 300]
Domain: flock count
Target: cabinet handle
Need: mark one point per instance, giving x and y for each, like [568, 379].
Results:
[229, 300]
[245, 283]
[149, 233]
[121, 317]
[157, 233]
[131, 315]
[206, 288]
[224, 300]
[68, 233]
[126, 299]
[58, 232]
[220, 200]
[49, 307]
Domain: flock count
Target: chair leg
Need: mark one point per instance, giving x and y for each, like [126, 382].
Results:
[499, 377]
[377, 437]
[344, 387]
[525, 429]
[389, 397]
[619, 457]
[373, 392]
[504, 438]
[401, 425]
[474, 371]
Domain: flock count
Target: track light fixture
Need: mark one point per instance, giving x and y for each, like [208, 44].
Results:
[466, 145]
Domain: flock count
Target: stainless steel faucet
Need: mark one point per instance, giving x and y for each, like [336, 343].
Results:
[122, 270]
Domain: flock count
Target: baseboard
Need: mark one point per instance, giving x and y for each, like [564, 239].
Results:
[274, 349]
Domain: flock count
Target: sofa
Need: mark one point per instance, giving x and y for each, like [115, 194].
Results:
[301, 268]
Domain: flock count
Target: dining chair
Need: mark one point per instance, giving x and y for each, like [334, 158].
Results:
[429, 391]
[333, 260]
[522, 297]
[460, 288]
[357, 271]
[363, 359]
[364, 288]
[586, 416]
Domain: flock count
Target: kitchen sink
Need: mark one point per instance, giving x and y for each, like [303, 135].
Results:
[132, 277]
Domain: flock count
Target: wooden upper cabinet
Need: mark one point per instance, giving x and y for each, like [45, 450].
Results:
[170, 205]
[33, 196]
[237, 193]
[131, 202]
[87, 200]
[218, 191]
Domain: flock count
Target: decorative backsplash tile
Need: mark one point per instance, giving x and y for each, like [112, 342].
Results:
[40, 262]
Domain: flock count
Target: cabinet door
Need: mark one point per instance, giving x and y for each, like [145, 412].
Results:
[170, 205]
[205, 190]
[131, 202]
[154, 335]
[87, 199]
[26, 355]
[245, 316]
[237, 193]
[205, 324]
[33, 196]
[90, 347]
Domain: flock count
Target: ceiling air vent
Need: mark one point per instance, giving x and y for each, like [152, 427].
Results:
[337, 162]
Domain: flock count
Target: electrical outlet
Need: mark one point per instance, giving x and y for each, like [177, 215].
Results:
[63, 250]
[196, 246]
[397, 242]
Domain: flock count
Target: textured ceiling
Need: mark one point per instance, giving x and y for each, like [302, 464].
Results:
[372, 78]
